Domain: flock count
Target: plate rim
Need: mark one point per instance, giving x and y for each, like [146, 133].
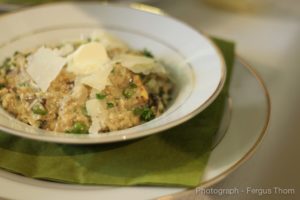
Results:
[137, 134]
[249, 67]
[225, 173]
[254, 147]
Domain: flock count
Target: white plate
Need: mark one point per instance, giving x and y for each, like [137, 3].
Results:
[194, 63]
[249, 120]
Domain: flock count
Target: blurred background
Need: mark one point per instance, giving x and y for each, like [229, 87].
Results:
[267, 35]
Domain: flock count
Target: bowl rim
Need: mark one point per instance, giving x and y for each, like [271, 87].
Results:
[110, 137]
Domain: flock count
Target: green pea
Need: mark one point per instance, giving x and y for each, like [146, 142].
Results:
[78, 128]
[132, 85]
[110, 105]
[128, 92]
[39, 109]
[100, 96]
[2, 85]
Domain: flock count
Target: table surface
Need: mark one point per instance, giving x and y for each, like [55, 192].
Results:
[269, 39]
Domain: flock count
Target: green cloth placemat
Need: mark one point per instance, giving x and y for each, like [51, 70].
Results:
[176, 157]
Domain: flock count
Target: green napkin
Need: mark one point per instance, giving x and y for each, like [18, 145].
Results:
[176, 157]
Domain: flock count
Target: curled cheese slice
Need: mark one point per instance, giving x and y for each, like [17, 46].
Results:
[87, 59]
[140, 64]
[95, 111]
[44, 66]
[98, 79]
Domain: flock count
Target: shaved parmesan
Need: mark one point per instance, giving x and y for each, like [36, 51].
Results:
[91, 63]
[96, 112]
[98, 79]
[87, 59]
[44, 66]
[140, 64]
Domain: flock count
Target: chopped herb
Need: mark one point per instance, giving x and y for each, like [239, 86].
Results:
[24, 84]
[2, 85]
[132, 85]
[16, 53]
[128, 92]
[147, 53]
[100, 96]
[110, 105]
[39, 109]
[146, 114]
[6, 66]
[78, 128]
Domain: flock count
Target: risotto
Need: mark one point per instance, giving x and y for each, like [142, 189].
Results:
[92, 85]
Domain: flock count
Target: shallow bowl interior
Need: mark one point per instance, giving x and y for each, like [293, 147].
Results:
[191, 59]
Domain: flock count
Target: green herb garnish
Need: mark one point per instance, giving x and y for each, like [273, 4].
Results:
[78, 128]
[128, 92]
[100, 96]
[132, 85]
[110, 105]
[145, 113]
[2, 85]
[39, 109]
[147, 53]
[24, 84]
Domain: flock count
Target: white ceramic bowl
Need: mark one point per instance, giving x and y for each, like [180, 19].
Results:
[194, 63]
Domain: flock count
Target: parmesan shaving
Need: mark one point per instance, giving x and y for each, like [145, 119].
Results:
[97, 115]
[87, 59]
[44, 66]
[98, 79]
[140, 64]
